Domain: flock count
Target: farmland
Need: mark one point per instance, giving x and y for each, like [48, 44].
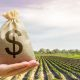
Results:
[53, 67]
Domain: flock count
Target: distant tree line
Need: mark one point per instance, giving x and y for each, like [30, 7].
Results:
[45, 51]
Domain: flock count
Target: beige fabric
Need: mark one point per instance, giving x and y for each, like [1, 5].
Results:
[13, 23]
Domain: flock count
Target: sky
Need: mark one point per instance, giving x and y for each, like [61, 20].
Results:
[51, 23]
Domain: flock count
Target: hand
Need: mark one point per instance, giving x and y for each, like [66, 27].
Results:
[17, 68]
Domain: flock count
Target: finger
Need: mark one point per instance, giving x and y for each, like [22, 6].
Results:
[34, 62]
[19, 71]
[30, 64]
[21, 65]
[17, 66]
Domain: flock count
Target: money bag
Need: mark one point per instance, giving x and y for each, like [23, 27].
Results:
[15, 45]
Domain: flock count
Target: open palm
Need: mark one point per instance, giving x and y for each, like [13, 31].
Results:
[17, 68]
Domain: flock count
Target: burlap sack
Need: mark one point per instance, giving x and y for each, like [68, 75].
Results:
[15, 45]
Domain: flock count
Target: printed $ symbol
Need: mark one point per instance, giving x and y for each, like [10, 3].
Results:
[14, 43]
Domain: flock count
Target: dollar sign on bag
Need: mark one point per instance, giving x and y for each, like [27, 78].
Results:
[14, 43]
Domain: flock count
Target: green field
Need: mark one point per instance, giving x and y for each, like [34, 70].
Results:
[53, 67]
